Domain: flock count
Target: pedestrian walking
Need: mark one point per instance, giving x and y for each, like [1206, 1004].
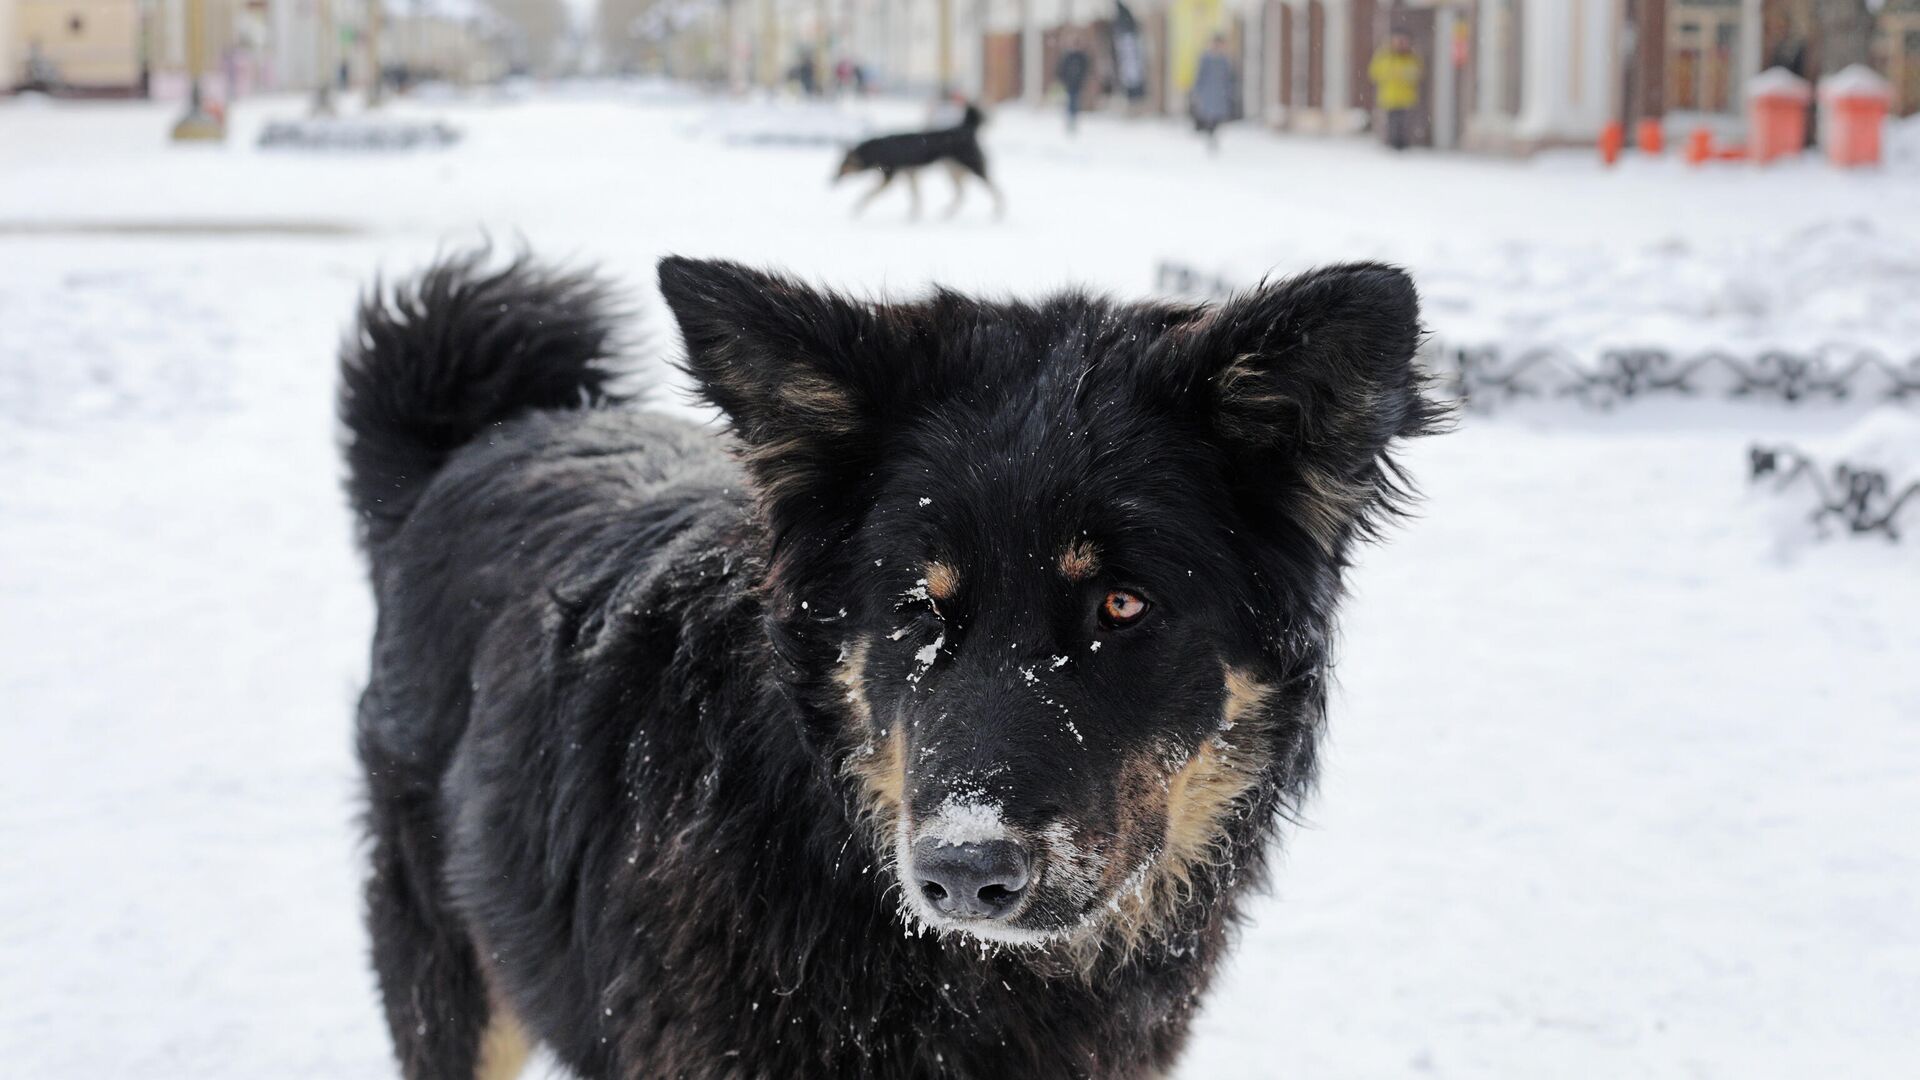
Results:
[1395, 71]
[1211, 99]
[804, 74]
[1074, 67]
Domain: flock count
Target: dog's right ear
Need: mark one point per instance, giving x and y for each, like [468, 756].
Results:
[798, 372]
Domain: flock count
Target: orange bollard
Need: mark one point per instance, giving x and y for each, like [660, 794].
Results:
[1699, 146]
[1854, 110]
[1650, 137]
[1612, 137]
[1777, 114]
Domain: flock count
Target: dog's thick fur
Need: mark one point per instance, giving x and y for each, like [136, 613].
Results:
[956, 147]
[651, 720]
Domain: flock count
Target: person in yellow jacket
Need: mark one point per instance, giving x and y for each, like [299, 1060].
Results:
[1395, 71]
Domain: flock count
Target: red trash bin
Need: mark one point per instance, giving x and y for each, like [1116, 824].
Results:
[1853, 109]
[1777, 102]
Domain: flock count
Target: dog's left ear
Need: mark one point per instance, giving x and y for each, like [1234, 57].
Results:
[798, 372]
[1307, 382]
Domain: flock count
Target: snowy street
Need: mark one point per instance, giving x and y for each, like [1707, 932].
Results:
[1622, 767]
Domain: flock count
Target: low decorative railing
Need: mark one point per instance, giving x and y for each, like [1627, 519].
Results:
[1483, 377]
[1862, 499]
[344, 133]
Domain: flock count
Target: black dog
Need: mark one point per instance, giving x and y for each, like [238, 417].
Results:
[936, 730]
[958, 147]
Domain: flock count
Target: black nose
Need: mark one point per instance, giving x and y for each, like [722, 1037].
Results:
[971, 881]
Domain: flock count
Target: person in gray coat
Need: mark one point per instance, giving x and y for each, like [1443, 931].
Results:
[1211, 99]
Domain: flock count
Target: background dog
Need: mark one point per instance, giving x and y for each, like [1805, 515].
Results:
[934, 728]
[957, 147]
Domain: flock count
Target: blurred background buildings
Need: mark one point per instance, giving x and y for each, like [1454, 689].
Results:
[1509, 75]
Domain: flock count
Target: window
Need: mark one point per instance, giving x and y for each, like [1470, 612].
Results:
[1703, 45]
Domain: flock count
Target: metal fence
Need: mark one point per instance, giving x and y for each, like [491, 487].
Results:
[355, 134]
[1863, 500]
[1484, 377]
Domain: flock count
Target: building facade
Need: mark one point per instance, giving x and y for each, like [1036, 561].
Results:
[1498, 75]
[74, 46]
[138, 47]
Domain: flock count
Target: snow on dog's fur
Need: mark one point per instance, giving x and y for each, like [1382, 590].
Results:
[933, 726]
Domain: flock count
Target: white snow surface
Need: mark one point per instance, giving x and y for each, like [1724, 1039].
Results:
[1887, 438]
[1845, 283]
[1611, 788]
[1856, 80]
[1902, 147]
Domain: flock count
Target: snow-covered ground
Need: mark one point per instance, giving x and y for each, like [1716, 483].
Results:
[1618, 783]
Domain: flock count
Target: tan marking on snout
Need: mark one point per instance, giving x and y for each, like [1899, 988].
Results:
[1202, 793]
[878, 766]
[882, 773]
[1080, 560]
[943, 581]
[1196, 802]
[1244, 695]
[852, 677]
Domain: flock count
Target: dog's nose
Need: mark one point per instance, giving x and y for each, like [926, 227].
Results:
[971, 881]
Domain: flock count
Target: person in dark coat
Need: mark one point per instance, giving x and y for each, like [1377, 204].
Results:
[1074, 67]
[1211, 99]
[804, 74]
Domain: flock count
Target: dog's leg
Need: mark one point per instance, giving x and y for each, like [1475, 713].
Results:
[885, 179]
[430, 980]
[977, 165]
[999, 204]
[913, 190]
[959, 176]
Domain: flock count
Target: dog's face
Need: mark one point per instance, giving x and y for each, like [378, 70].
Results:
[1055, 694]
[1060, 578]
[850, 164]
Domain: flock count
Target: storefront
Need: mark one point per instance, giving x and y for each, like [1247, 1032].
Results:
[77, 46]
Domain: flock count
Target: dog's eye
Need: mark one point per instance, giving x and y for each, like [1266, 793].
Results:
[1120, 608]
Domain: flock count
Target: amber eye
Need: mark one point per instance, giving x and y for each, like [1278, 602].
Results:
[1121, 608]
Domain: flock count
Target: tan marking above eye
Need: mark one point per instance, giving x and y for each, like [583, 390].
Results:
[1080, 560]
[943, 581]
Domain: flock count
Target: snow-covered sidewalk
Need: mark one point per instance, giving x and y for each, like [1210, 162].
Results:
[1617, 785]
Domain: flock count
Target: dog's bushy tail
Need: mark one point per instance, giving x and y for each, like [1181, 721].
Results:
[433, 362]
[972, 118]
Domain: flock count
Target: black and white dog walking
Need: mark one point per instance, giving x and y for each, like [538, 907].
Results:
[956, 147]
